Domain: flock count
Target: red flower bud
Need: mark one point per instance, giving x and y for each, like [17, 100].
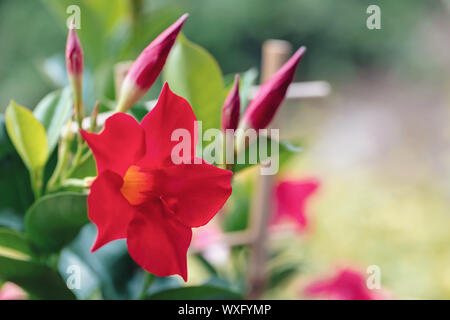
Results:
[232, 107]
[262, 109]
[148, 66]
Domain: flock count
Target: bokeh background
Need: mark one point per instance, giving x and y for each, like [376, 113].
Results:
[379, 143]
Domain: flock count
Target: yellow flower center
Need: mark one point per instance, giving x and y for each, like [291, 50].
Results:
[135, 185]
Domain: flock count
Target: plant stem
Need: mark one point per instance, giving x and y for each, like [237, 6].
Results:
[63, 161]
[36, 179]
[148, 280]
[78, 160]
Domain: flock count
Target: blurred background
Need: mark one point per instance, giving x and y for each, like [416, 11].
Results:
[379, 143]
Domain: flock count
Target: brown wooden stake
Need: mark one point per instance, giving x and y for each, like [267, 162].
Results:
[274, 54]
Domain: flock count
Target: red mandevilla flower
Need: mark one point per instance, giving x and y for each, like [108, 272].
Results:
[142, 196]
[291, 199]
[148, 66]
[232, 107]
[347, 284]
[263, 107]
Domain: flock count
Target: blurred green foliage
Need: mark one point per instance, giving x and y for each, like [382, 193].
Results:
[233, 31]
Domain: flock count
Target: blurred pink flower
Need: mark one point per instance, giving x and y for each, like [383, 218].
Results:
[291, 199]
[346, 284]
[11, 291]
[209, 240]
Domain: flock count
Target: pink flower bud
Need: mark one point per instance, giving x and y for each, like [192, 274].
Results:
[262, 109]
[74, 54]
[74, 65]
[148, 66]
[232, 107]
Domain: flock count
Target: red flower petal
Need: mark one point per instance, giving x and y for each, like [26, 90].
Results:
[108, 209]
[119, 145]
[170, 113]
[194, 192]
[159, 243]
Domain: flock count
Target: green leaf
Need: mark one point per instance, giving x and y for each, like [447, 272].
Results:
[27, 135]
[195, 75]
[53, 112]
[17, 265]
[14, 246]
[205, 292]
[55, 220]
[15, 192]
[5, 144]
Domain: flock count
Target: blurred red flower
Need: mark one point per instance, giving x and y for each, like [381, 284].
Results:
[142, 196]
[291, 198]
[346, 284]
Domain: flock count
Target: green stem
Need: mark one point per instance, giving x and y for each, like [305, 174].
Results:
[78, 160]
[61, 165]
[36, 179]
[79, 183]
[148, 280]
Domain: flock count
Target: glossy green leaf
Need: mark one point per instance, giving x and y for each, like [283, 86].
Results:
[27, 135]
[195, 75]
[17, 265]
[53, 112]
[205, 292]
[55, 220]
